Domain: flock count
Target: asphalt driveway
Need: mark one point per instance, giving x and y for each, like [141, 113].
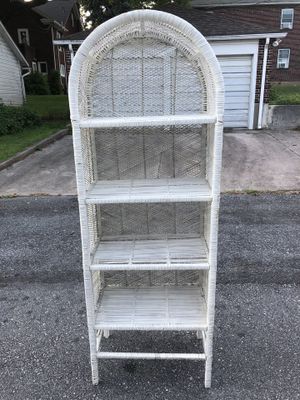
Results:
[43, 341]
[265, 160]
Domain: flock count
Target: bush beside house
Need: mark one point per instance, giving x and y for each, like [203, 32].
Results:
[55, 85]
[36, 83]
[14, 119]
[21, 127]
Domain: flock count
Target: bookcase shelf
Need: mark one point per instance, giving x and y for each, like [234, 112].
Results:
[143, 121]
[152, 253]
[163, 308]
[149, 191]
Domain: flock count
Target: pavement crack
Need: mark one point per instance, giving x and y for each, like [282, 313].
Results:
[284, 145]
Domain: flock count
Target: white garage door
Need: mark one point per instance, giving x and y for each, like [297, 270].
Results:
[237, 78]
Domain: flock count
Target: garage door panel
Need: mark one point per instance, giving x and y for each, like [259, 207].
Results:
[237, 81]
[236, 96]
[237, 109]
[237, 87]
[234, 117]
[232, 60]
[239, 75]
[239, 105]
[233, 70]
[233, 124]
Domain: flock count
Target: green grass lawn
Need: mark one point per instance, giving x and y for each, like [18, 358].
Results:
[285, 94]
[12, 144]
[54, 112]
[52, 107]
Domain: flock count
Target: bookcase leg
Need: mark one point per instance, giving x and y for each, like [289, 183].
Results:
[94, 344]
[208, 366]
[95, 371]
[208, 343]
[106, 334]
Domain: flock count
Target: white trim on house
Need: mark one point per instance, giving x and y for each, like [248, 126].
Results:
[34, 66]
[20, 30]
[275, 35]
[62, 70]
[13, 46]
[40, 63]
[283, 62]
[290, 24]
[247, 36]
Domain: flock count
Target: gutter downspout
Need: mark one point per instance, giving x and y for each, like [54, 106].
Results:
[263, 83]
[23, 85]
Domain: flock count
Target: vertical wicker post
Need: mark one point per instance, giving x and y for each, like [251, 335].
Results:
[146, 99]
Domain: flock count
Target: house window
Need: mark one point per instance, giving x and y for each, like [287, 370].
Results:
[34, 66]
[287, 18]
[43, 68]
[23, 36]
[58, 35]
[62, 70]
[283, 58]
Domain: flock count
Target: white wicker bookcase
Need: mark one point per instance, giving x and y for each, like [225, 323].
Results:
[146, 98]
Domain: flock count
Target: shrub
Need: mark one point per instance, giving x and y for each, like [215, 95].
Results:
[274, 93]
[281, 94]
[14, 119]
[54, 82]
[36, 83]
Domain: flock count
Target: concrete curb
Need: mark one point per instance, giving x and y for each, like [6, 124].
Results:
[25, 153]
[283, 116]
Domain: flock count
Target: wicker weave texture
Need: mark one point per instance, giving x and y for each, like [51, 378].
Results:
[159, 80]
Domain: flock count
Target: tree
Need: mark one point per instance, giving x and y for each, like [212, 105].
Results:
[99, 11]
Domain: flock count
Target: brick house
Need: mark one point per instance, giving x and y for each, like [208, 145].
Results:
[281, 15]
[244, 52]
[33, 25]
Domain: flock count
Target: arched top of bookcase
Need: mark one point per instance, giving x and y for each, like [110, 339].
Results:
[145, 67]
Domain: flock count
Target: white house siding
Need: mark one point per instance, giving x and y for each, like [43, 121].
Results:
[10, 76]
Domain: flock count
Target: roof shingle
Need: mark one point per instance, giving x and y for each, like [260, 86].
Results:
[58, 10]
[207, 22]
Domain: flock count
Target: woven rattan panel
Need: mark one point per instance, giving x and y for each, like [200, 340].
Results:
[152, 278]
[151, 152]
[152, 219]
[145, 76]
[149, 221]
